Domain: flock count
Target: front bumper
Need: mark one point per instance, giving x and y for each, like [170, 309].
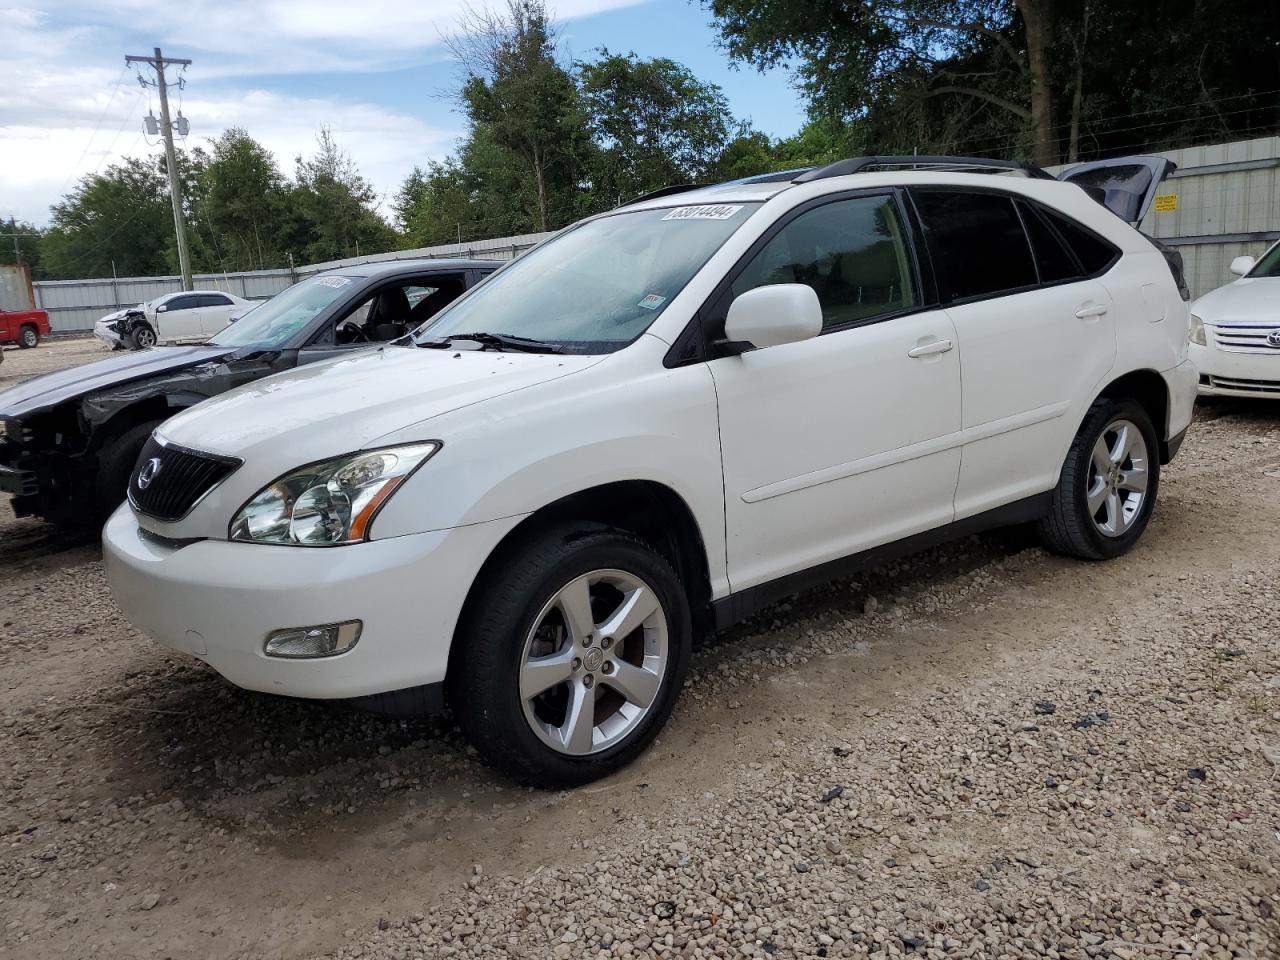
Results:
[1225, 373]
[107, 335]
[218, 601]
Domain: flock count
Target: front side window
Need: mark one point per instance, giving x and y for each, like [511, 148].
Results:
[853, 253]
[1268, 264]
[599, 285]
[976, 242]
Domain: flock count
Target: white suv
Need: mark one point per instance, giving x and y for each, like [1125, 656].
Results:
[653, 424]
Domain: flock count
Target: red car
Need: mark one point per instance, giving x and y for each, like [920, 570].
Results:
[23, 327]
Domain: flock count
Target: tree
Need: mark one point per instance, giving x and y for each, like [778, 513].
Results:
[526, 102]
[332, 206]
[239, 205]
[119, 218]
[654, 122]
[20, 243]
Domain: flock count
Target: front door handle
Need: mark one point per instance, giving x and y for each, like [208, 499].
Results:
[930, 349]
[1091, 311]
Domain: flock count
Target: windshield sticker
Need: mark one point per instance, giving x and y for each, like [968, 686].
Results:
[652, 302]
[718, 211]
[333, 281]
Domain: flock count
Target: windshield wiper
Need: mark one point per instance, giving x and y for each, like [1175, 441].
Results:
[503, 341]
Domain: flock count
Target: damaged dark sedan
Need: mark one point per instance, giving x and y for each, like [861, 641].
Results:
[68, 440]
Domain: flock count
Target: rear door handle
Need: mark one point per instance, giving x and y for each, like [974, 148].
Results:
[1091, 311]
[930, 349]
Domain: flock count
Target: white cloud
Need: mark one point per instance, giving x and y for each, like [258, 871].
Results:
[68, 108]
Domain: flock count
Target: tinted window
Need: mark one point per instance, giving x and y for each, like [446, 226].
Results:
[977, 243]
[215, 300]
[182, 303]
[1055, 261]
[852, 253]
[1094, 253]
[1122, 188]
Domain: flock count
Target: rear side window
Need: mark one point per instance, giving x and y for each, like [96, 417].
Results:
[1056, 262]
[1094, 253]
[853, 253]
[215, 300]
[977, 243]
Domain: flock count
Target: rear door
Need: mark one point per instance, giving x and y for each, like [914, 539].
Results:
[216, 310]
[1126, 186]
[1036, 332]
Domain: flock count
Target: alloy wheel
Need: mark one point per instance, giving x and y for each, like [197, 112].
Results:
[1119, 471]
[594, 661]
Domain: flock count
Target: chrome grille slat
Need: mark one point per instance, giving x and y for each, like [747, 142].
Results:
[1246, 339]
[183, 477]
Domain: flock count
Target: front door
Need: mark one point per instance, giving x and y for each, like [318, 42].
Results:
[180, 318]
[849, 440]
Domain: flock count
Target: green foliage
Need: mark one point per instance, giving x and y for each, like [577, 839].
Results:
[1035, 79]
[654, 123]
[334, 205]
[119, 217]
[21, 243]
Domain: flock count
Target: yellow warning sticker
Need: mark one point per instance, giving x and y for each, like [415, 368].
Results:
[1167, 203]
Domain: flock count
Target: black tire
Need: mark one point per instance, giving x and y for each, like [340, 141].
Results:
[1069, 528]
[142, 336]
[483, 683]
[28, 337]
[115, 463]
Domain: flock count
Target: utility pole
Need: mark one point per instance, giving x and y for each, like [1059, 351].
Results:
[159, 62]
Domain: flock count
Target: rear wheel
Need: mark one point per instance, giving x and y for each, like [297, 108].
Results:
[572, 656]
[115, 464]
[1107, 489]
[142, 336]
[28, 337]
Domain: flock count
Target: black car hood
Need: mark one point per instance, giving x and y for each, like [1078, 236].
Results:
[42, 393]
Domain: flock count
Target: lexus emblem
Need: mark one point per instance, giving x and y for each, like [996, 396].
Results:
[1273, 338]
[148, 473]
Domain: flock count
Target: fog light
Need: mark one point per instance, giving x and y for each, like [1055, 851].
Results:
[322, 641]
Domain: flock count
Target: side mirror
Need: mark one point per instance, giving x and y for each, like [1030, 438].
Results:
[1242, 265]
[162, 308]
[771, 316]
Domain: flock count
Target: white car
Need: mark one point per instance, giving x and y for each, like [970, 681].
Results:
[652, 425]
[1235, 331]
[191, 315]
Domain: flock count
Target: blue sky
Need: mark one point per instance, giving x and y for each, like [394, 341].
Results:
[374, 71]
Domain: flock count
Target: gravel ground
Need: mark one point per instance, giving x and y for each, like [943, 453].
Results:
[980, 751]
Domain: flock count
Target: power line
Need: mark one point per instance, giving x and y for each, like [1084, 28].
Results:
[96, 127]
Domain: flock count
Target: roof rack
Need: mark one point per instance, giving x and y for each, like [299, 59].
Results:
[843, 168]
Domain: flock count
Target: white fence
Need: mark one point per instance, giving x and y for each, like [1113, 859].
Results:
[1223, 201]
[74, 305]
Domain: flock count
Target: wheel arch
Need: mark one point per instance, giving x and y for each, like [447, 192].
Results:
[648, 509]
[1148, 388]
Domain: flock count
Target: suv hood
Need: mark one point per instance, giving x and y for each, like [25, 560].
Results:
[1249, 300]
[336, 406]
[41, 393]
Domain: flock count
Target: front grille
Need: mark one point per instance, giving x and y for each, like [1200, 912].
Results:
[1267, 387]
[1251, 339]
[169, 480]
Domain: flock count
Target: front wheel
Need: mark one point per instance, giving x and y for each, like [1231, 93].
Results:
[571, 656]
[1107, 489]
[143, 336]
[28, 338]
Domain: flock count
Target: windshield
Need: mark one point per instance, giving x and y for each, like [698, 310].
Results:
[598, 286]
[272, 323]
[1268, 264]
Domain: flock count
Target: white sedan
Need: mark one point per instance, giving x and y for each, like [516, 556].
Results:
[187, 315]
[1235, 331]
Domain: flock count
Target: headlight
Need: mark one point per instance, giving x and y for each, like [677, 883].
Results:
[329, 503]
[1196, 335]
